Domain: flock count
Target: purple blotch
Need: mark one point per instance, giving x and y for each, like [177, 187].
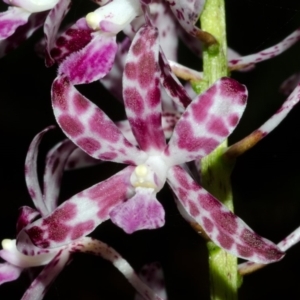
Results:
[70, 125]
[89, 145]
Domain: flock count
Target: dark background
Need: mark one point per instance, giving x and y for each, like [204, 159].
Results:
[266, 180]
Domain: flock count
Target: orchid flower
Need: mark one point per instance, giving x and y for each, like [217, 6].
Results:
[54, 260]
[44, 204]
[129, 197]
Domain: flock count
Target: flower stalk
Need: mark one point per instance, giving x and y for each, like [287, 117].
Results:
[215, 171]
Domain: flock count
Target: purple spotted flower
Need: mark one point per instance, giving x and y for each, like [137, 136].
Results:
[129, 197]
[54, 260]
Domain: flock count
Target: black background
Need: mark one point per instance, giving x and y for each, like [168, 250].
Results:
[266, 180]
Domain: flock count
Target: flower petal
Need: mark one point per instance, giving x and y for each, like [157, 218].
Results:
[79, 159]
[207, 121]
[281, 113]
[172, 85]
[266, 53]
[71, 40]
[26, 216]
[52, 24]
[31, 175]
[187, 13]
[80, 215]
[11, 19]
[33, 6]
[22, 33]
[288, 242]
[9, 272]
[221, 225]
[55, 164]
[88, 127]
[113, 80]
[42, 282]
[142, 211]
[12, 255]
[163, 19]
[92, 62]
[142, 90]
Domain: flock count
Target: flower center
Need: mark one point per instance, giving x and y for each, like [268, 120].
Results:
[151, 174]
[143, 177]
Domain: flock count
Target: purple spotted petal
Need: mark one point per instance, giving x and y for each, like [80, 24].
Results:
[267, 53]
[281, 113]
[152, 275]
[9, 272]
[26, 216]
[207, 121]
[172, 85]
[51, 26]
[223, 227]
[141, 91]
[92, 62]
[11, 19]
[142, 211]
[80, 215]
[187, 13]
[79, 159]
[55, 164]
[71, 40]
[88, 127]
[113, 80]
[232, 55]
[163, 19]
[169, 120]
[288, 242]
[22, 33]
[290, 84]
[31, 173]
[42, 282]
[125, 128]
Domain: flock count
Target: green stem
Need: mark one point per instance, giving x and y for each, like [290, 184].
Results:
[215, 171]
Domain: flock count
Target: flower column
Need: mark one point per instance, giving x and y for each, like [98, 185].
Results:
[215, 170]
